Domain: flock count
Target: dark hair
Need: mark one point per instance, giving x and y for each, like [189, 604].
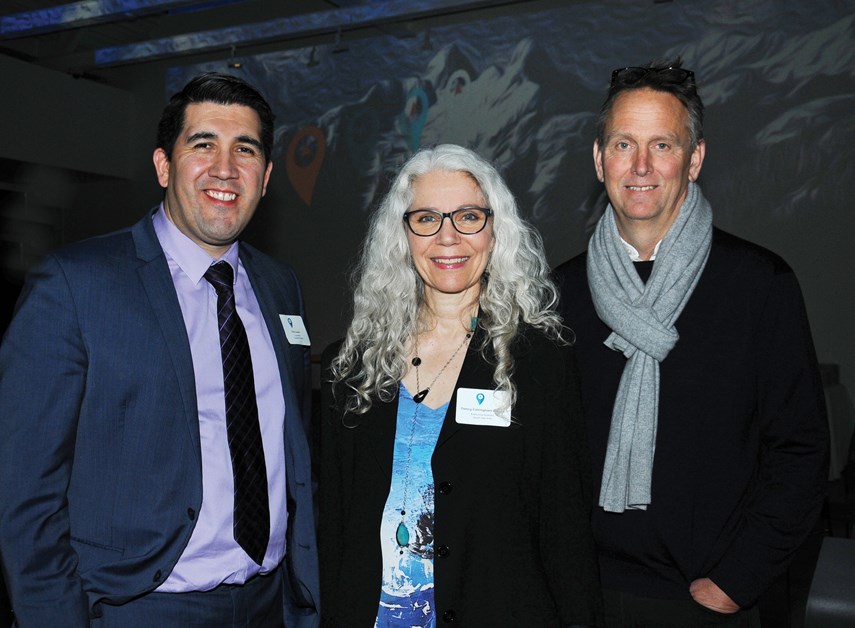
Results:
[219, 88]
[657, 77]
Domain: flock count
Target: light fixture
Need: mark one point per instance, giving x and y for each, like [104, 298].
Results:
[339, 46]
[232, 62]
[426, 45]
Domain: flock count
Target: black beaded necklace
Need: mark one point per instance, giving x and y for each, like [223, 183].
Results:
[402, 534]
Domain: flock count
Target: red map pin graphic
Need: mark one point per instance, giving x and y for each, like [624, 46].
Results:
[305, 157]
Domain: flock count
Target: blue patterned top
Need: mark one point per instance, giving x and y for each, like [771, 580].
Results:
[406, 599]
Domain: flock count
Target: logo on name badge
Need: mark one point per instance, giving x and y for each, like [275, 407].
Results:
[482, 407]
[295, 330]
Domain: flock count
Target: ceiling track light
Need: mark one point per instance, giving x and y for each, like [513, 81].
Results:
[339, 46]
[426, 44]
[234, 64]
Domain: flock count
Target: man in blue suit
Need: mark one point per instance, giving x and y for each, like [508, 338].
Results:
[130, 432]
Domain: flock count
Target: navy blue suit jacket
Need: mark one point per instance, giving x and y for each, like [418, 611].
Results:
[100, 461]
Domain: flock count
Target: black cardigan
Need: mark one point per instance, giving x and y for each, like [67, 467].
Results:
[741, 462]
[512, 504]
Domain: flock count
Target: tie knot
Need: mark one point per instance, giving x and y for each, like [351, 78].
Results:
[221, 276]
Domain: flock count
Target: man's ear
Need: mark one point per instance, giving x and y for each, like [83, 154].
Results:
[266, 178]
[697, 160]
[598, 161]
[161, 166]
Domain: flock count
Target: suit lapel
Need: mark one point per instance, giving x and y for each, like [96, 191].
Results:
[377, 431]
[475, 373]
[157, 282]
[268, 304]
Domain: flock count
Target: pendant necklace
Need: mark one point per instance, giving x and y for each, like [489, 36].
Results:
[402, 534]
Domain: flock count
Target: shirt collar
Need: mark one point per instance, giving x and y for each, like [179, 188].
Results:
[192, 259]
[633, 252]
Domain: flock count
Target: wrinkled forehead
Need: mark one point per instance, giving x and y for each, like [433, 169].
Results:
[646, 111]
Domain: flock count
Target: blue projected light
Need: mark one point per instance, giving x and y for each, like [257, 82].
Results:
[313, 23]
[88, 12]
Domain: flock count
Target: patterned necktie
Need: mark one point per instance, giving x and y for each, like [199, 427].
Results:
[251, 509]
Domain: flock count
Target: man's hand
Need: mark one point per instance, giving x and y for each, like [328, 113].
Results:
[706, 593]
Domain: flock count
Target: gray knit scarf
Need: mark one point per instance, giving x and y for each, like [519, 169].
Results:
[641, 317]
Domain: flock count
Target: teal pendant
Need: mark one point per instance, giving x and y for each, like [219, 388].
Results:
[402, 535]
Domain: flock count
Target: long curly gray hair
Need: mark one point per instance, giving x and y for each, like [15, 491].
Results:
[389, 293]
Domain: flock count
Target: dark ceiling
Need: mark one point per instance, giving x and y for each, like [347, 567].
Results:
[92, 37]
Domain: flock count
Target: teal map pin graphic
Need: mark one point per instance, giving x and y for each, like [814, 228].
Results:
[480, 398]
[414, 116]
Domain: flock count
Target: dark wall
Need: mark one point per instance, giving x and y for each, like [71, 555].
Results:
[521, 85]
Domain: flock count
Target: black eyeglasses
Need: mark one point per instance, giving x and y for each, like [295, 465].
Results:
[466, 220]
[631, 76]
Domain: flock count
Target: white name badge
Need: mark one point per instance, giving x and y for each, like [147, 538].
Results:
[476, 406]
[295, 330]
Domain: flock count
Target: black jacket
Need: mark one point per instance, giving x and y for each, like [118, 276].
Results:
[512, 504]
[741, 456]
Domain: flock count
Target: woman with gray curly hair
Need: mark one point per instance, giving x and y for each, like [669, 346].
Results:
[454, 471]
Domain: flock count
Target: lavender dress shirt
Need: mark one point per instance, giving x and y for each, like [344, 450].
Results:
[212, 556]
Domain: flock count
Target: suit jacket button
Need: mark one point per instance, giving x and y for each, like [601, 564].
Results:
[157, 576]
[445, 488]
[442, 551]
[191, 514]
[448, 616]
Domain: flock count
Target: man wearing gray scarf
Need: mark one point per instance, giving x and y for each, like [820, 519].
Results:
[700, 385]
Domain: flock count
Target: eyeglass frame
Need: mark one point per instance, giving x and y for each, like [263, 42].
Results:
[443, 215]
[688, 77]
